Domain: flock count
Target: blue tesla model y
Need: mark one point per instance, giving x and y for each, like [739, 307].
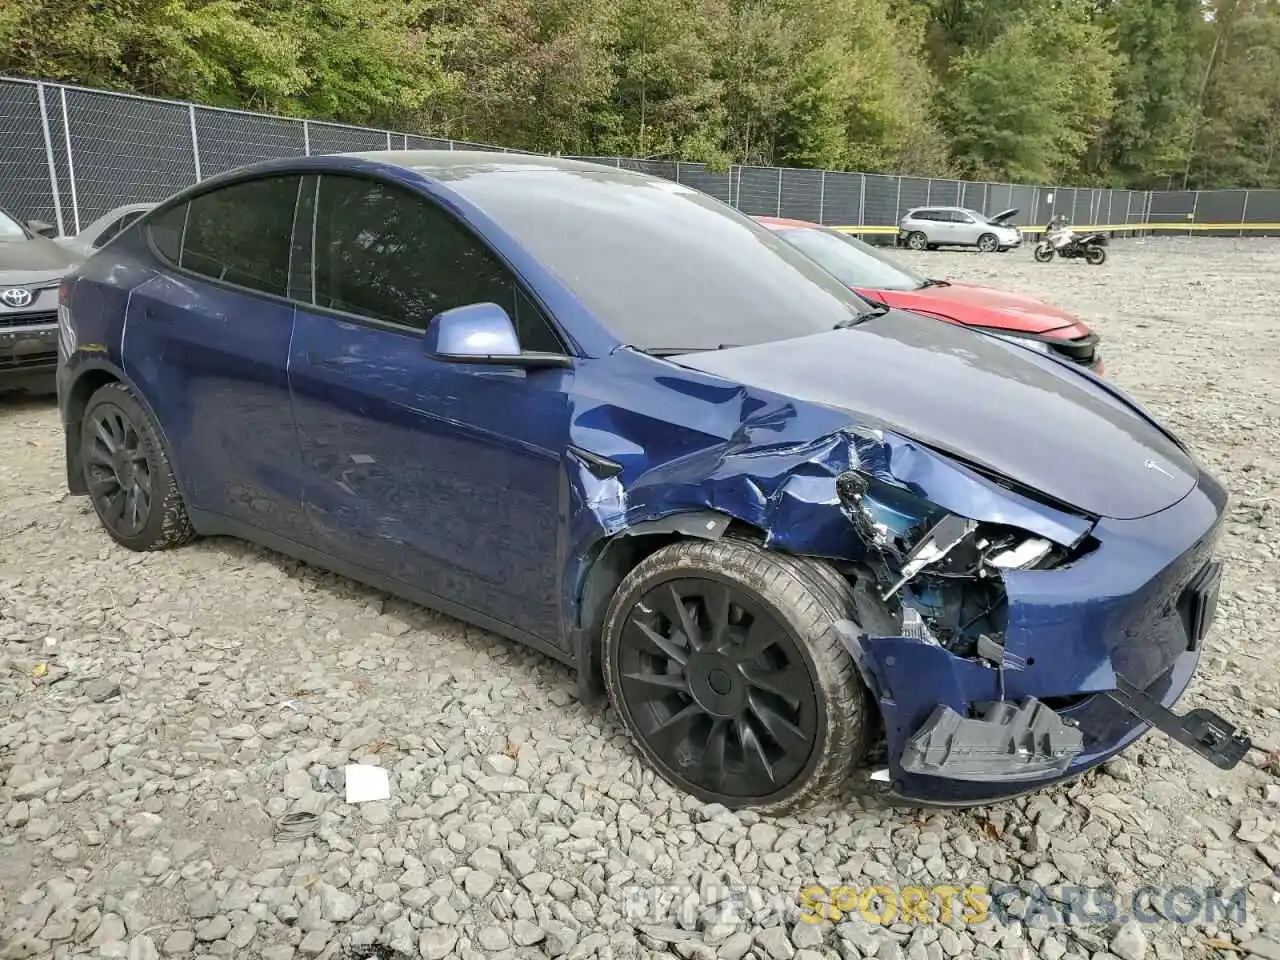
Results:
[608, 416]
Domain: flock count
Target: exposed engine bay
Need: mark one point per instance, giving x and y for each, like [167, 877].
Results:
[940, 573]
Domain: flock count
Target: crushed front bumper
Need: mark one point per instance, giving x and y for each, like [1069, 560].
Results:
[1095, 654]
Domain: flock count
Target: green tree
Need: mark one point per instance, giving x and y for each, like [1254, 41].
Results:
[1149, 133]
[1031, 105]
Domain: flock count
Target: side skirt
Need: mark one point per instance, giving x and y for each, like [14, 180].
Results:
[216, 525]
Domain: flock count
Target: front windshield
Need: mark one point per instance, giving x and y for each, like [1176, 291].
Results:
[662, 266]
[10, 229]
[851, 261]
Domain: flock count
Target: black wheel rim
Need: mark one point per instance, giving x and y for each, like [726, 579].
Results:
[117, 471]
[717, 689]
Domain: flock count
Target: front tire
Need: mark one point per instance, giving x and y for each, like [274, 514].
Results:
[725, 665]
[1043, 253]
[127, 473]
[1095, 255]
[917, 241]
[988, 243]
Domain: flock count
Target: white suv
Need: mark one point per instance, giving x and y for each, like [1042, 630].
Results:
[927, 228]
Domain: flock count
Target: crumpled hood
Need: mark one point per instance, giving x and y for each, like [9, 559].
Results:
[25, 263]
[986, 307]
[982, 399]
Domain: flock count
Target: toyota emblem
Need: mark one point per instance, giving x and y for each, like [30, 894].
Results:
[17, 297]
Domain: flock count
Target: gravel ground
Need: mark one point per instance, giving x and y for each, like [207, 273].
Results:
[162, 713]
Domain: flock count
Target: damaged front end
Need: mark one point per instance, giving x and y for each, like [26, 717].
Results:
[1004, 659]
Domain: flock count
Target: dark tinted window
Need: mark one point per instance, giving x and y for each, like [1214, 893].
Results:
[242, 233]
[107, 234]
[166, 232]
[117, 228]
[389, 254]
[661, 265]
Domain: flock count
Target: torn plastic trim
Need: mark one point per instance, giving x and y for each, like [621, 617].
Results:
[1202, 731]
[1005, 742]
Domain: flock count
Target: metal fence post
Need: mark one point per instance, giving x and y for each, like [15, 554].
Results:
[928, 191]
[677, 171]
[71, 163]
[862, 200]
[388, 139]
[897, 203]
[779, 213]
[195, 140]
[1244, 210]
[306, 138]
[48, 155]
[822, 195]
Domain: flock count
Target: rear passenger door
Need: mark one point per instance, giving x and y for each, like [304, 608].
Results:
[207, 342]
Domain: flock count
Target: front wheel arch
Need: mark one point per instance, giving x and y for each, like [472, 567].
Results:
[612, 558]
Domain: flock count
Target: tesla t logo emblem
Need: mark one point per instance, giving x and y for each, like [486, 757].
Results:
[16, 297]
[1152, 465]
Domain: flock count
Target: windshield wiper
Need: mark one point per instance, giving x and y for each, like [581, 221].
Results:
[933, 283]
[866, 315]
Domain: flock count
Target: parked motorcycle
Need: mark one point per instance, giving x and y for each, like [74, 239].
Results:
[1059, 238]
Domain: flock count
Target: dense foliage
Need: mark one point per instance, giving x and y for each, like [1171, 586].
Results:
[1136, 93]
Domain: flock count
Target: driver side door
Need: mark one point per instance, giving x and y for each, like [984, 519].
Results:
[445, 477]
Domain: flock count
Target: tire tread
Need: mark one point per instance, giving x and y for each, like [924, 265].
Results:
[812, 596]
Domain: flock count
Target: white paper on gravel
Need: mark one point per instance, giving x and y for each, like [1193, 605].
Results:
[366, 782]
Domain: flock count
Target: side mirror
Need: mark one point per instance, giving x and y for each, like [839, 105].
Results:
[41, 228]
[483, 333]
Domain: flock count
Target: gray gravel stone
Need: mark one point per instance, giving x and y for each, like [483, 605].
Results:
[436, 944]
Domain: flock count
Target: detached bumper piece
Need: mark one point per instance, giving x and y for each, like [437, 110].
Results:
[1008, 742]
[1202, 731]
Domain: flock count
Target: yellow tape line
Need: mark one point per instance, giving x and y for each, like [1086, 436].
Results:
[1104, 228]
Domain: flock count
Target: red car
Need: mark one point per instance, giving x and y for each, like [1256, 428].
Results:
[878, 278]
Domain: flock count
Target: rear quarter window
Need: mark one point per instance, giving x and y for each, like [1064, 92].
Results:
[242, 233]
[165, 233]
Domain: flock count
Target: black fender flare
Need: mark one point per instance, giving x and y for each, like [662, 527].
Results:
[612, 558]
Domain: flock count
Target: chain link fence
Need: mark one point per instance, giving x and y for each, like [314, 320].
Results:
[69, 155]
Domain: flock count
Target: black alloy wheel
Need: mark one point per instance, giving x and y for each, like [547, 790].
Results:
[724, 663]
[117, 470]
[127, 473]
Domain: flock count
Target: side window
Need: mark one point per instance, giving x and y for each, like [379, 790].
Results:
[388, 254]
[107, 234]
[242, 233]
[928, 215]
[166, 232]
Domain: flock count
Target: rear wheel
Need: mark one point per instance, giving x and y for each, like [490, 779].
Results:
[724, 662]
[1095, 255]
[127, 473]
[988, 243]
[1043, 253]
[917, 240]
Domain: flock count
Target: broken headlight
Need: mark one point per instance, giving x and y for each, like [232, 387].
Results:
[940, 574]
